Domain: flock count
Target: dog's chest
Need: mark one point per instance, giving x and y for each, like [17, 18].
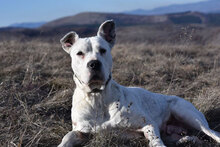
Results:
[101, 115]
[125, 115]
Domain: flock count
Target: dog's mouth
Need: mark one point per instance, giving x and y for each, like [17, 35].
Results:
[96, 79]
[96, 84]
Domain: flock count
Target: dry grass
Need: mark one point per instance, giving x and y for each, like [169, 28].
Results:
[36, 85]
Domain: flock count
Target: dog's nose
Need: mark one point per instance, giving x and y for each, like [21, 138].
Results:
[94, 65]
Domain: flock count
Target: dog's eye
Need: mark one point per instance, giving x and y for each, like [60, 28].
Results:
[102, 50]
[80, 53]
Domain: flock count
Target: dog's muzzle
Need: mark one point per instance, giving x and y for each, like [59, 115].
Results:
[97, 82]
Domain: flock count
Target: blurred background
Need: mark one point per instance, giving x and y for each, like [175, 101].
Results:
[52, 17]
[170, 46]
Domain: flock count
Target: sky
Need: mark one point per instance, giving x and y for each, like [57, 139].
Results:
[18, 11]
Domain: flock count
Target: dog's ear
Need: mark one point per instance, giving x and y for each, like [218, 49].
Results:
[107, 31]
[68, 40]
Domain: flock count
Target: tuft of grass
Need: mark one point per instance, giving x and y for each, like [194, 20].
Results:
[115, 137]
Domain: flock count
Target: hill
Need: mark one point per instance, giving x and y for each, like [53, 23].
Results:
[92, 18]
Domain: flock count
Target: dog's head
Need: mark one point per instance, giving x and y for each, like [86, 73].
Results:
[91, 57]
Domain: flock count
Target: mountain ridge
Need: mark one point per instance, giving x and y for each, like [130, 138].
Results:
[210, 6]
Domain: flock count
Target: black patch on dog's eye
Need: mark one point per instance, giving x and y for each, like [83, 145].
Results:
[102, 51]
[80, 53]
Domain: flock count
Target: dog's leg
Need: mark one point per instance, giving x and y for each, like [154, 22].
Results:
[185, 111]
[71, 139]
[152, 133]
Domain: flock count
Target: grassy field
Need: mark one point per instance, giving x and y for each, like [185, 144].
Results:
[36, 83]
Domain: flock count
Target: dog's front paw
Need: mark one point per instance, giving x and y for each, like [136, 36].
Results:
[71, 139]
[157, 143]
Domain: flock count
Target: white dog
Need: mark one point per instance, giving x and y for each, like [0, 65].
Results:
[99, 102]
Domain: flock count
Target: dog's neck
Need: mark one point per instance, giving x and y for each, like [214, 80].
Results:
[101, 98]
[81, 85]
